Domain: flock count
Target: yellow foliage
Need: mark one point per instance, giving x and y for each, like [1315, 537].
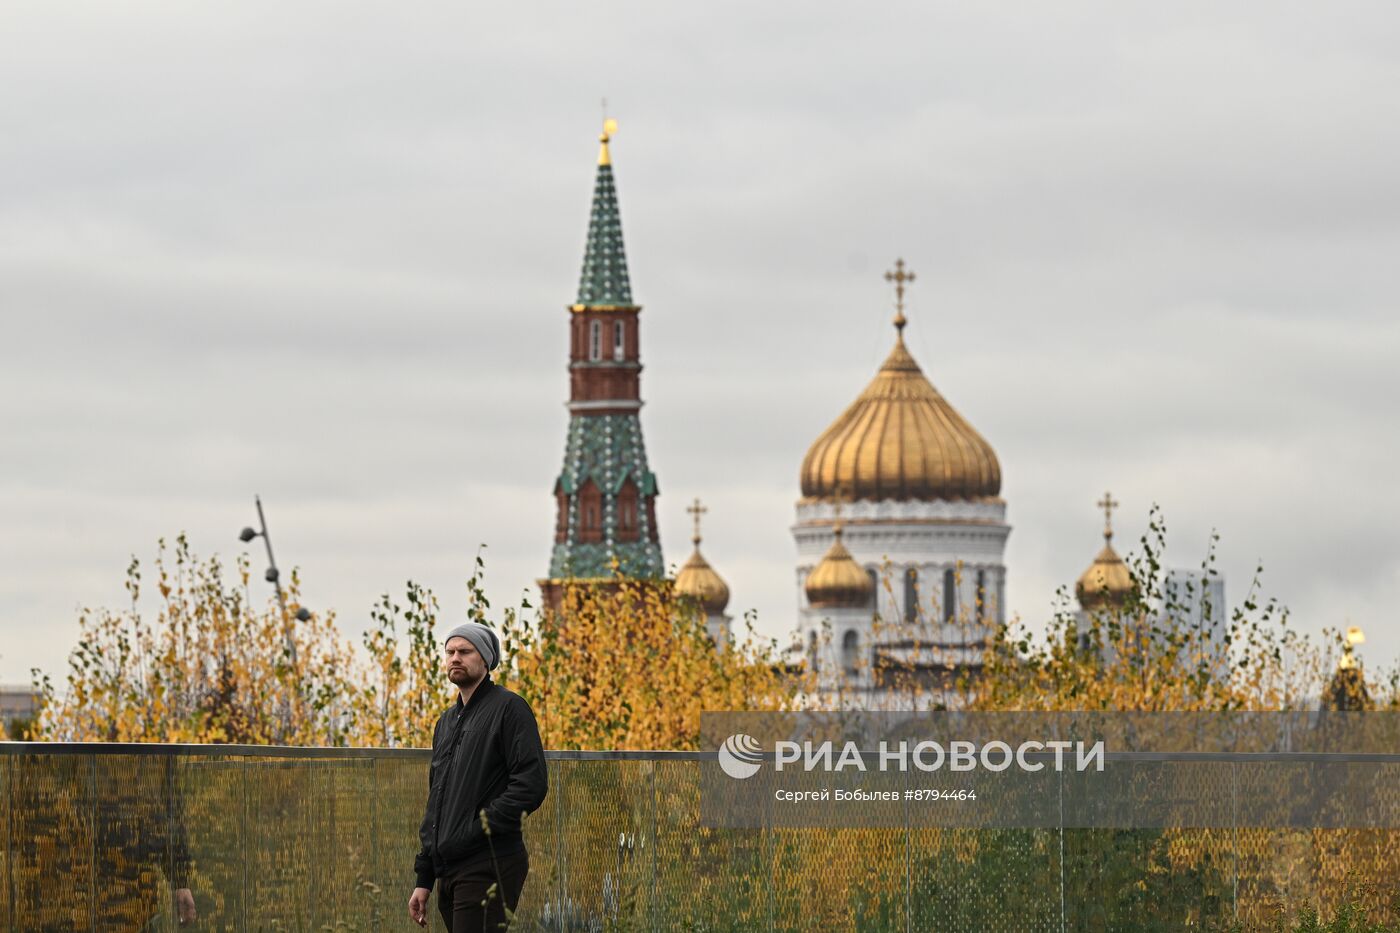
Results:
[619, 667]
[207, 667]
[627, 665]
[1129, 654]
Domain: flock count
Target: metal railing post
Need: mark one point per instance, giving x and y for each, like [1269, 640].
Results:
[93, 899]
[559, 848]
[1063, 919]
[243, 863]
[1235, 829]
[10, 847]
[654, 843]
[908, 861]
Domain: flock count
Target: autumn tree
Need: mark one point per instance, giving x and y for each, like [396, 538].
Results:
[629, 665]
[208, 665]
[619, 667]
[1153, 646]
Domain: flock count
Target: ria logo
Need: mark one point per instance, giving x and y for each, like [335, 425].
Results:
[741, 756]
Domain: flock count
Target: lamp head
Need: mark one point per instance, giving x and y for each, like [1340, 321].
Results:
[246, 535]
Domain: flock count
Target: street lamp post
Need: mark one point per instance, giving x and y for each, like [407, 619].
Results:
[272, 576]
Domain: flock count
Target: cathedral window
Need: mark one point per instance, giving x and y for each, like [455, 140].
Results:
[950, 595]
[981, 595]
[619, 335]
[850, 653]
[595, 340]
[911, 596]
[812, 651]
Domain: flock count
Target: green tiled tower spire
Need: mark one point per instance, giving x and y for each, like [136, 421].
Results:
[606, 493]
[604, 280]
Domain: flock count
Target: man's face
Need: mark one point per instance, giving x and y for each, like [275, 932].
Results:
[465, 665]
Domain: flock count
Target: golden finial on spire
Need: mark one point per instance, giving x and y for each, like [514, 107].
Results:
[899, 277]
[1108, 504]
[696, 510]
[1354, 637]
[609, 129]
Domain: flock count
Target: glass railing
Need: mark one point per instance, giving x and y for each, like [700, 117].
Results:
[324, 839]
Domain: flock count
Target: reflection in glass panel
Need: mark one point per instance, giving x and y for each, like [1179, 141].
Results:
[102, 842]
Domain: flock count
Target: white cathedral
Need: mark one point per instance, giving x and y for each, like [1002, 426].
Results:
[900, 534]
[901, 538]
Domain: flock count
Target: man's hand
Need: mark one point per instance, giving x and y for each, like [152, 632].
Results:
[184, 905]
[418, 906]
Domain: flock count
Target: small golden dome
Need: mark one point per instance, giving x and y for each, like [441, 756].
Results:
[1107, 582]
[697, 580]
[838, 581]
[900, 439]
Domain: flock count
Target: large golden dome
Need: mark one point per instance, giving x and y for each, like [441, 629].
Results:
[900, 439]
[838, 581]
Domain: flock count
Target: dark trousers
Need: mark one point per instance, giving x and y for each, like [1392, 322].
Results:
[463, 888]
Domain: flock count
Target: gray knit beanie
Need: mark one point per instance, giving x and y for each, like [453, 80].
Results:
[482, 638]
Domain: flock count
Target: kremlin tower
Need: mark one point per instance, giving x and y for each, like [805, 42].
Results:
[606, 494]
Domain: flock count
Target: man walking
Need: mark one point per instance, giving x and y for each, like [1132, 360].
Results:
[487, 772]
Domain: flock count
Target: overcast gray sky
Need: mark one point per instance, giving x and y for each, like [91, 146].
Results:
[321, 251]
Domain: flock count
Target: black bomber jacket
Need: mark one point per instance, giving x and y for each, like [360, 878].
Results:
[486, 756]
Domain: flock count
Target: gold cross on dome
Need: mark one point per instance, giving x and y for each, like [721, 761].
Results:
[899, 277]
[696, 510]
[1108, 504]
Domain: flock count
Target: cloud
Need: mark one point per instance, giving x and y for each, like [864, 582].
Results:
[324, 256]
